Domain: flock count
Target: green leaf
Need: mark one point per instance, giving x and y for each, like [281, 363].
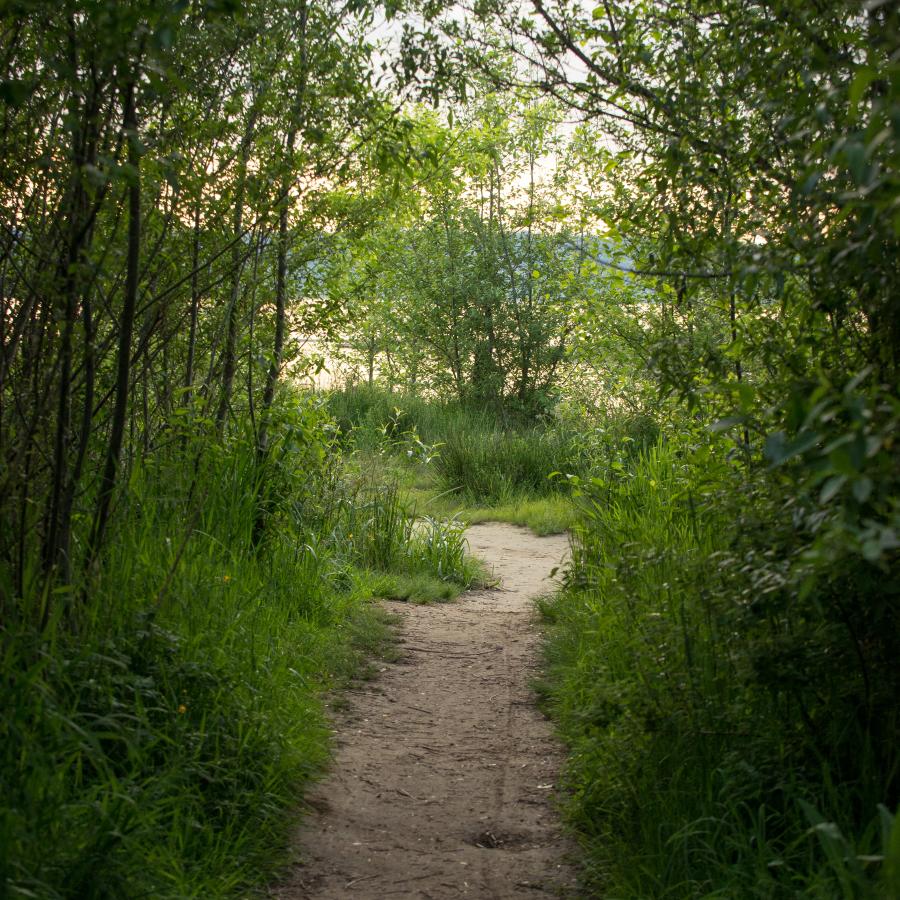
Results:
[861, 81]
[891, 842]
[15, 91]
[747, 396]
[779, 449]
[862, 489]
[164, 37]
[831, 488]
[809, 185]
[726, 423]
[857, 160]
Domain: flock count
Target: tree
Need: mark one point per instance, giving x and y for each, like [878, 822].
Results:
[474, 272]
[160, 161]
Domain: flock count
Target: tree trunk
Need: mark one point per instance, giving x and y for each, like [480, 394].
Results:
[55, 552]
[126, 328]
[195, 308]
[274, 370]
[238, 257]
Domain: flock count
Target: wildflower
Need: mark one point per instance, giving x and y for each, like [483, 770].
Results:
[182, 709]
[226, 578]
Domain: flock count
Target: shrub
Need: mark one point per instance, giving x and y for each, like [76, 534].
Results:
[499, 465]
[727, 734]
[161, 718]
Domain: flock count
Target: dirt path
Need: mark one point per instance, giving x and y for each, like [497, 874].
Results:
[442, 785]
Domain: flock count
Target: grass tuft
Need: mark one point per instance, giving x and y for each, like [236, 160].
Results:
[418, 588]
[555, 514]
[704, 761]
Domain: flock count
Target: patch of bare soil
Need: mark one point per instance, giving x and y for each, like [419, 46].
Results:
[443, 781]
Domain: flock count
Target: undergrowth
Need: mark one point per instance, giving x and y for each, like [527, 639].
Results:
[413, 588]
[161, 718]
[553, 514]
[456, 460]
[709, 685]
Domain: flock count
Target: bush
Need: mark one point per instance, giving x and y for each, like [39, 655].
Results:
[728, 735]
[498, 465]
[159, 725]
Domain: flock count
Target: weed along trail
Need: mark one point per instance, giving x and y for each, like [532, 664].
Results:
[444, 776]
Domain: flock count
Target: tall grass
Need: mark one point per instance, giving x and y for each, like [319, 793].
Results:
[479, 457]
[158, 729]
[501, 465]
[371, 415]
[439, 546]
[377, 531]
[692, 770]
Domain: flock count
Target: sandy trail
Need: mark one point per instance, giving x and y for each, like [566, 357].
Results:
[442, 785]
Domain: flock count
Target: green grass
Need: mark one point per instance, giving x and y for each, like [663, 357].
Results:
[421, 493]
[554, 514]
[162, 718]
[158, 751]
[551, 514]
[370, 417]
[413, 588]
[692, 772]
[500, 465]
[160, 726]
[465, 451]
